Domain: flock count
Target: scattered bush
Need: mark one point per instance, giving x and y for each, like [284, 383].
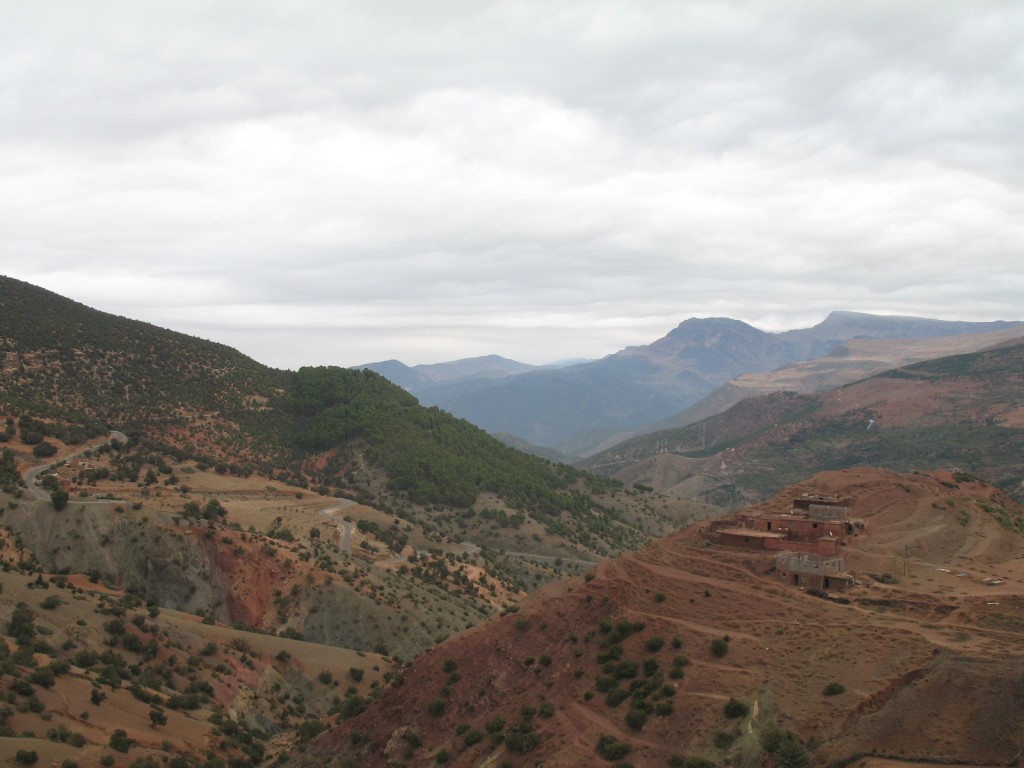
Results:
[119, 740]
[616, 696]
[636, 718]
[735, 708]
[784, 747]
[611, 748]
[719, 647]
[677, 761]
[521, 742]
[724, 740]
[605, 683]
[834, 689]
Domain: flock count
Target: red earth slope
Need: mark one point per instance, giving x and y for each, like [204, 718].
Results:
[927, 647]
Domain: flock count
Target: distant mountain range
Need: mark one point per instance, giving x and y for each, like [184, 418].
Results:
[962, 412]
[582, 408]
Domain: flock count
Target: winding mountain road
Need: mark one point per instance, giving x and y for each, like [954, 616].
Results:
[346, 539]
[31, 475]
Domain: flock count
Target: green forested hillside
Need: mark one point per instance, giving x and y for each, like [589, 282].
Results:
[83, 363]
[426, 453]
[335, 430]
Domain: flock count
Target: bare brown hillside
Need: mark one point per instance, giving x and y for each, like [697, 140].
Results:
[854, 360]
[962, 412]
[923, 654]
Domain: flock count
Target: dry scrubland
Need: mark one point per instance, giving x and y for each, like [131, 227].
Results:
[921, 660]
[252, 565]
[99, 661]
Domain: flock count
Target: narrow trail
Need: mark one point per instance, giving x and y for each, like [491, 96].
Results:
[549, 558]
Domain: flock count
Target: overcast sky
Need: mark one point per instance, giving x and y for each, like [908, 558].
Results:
[345, 182]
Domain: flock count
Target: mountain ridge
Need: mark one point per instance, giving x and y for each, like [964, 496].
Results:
[957, 411]
[583, 408]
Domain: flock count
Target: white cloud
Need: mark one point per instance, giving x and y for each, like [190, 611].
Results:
[356, 181]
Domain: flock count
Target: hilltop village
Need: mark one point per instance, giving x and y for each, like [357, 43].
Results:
[808, 539]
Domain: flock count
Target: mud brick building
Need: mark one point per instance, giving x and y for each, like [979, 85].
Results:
[815, 525]
[812, 571]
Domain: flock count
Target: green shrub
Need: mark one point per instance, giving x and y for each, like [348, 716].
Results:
[834, 689]
[611, 748]
[724, 740]
[604, 683]
[44, 450]
[735, 708]
[791, 754]
[43, 677]
[627, 669]
[677, 761]
[636, 718]
[435, 707]
[654, 644]
[521, 742]
[26, 757]
[119, 741]
[616, 696]
[719, 647]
